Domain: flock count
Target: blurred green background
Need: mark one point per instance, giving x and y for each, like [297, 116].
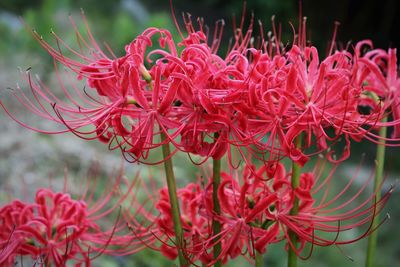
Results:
[29, 156]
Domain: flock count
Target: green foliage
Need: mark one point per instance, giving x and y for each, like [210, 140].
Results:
[16, 6]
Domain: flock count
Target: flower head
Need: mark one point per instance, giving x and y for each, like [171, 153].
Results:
[256, 211]
[259, 210]
[257, 99]
[57, 228]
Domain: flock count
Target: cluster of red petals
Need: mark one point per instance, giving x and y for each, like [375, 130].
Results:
[256, 209]
[256, 98]
[195, 224]
[56, 229]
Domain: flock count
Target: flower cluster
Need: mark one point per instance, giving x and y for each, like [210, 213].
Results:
[59, 229]
[257, 99]
[256, 207]
[262, 100]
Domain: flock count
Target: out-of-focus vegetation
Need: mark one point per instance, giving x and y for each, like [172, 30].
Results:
[118, 22]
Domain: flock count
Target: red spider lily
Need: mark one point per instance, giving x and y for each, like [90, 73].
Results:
[11, 242]
[258, 211]
[130, 100]
[261, 98]
[382, 83]
[196, 226]
[206, 88]
[196, 218]
[190, 96]
[291, 93]
[58, 229]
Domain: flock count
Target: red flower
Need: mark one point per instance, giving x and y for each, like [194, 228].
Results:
[293, 94]
[129, 101]
[258, 212]
[57, 229]
[255, 212]
[195, 223]
[13, 242]
[260, 99]
[382, 86]
[206, 89]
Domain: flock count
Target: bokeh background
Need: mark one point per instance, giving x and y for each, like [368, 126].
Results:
[29, 160]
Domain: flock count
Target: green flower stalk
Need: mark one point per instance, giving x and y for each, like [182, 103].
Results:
[217, 209]
[171, 183]
[295, 180]
[380, 163]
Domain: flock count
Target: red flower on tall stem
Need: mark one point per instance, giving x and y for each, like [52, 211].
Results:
[382, 85]
[195, 224]
[257, 211]
[129, 101]
[293, 94]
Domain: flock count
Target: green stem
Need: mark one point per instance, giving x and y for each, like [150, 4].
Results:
[259, 260]
[380, 162]
[216, 225]
[296, 172]
[176, 217]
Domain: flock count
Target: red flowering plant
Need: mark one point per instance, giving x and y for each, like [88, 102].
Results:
[126, 108]
[196, 94]
[256, 211]
[58, 228]
[296, 94]
[266, 101]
